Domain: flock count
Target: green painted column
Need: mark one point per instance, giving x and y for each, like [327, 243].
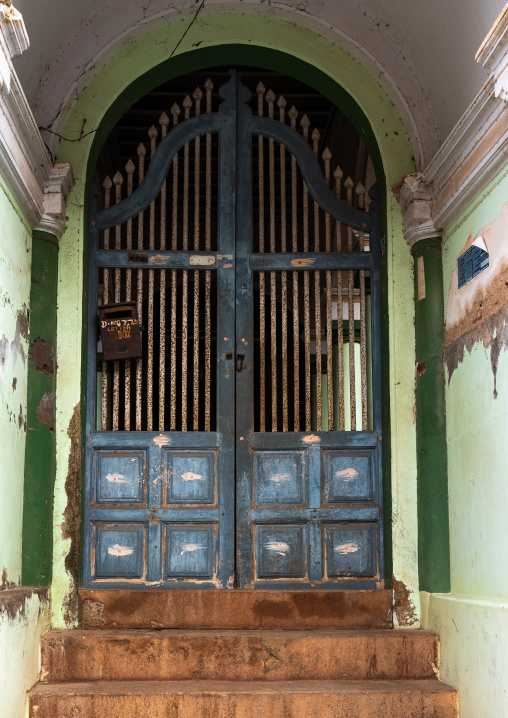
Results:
[40, 454]
[433, 521]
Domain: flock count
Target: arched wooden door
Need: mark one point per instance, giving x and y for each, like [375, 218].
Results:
[239, 445]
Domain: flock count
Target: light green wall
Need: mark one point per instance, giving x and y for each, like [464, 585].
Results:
[132, 59]
[15, 251]
[473, 619]
[20, 638]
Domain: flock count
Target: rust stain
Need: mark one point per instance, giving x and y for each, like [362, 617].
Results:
[72, 513]
[402, 605]
[42, 355]
[46, 410]
[13, 602]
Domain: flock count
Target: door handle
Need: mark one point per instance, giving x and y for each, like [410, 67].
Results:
[240, 365]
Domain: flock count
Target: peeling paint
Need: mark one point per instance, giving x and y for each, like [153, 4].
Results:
[162, 440]
[13, 601]
[46, 410]
[72, 513]
[347, 474]
[118, 478]
[312, 439]
[6, 584]
[92, 613]
[190, 476]
[117, 550]
[402, 604]
[280, 477]
[42, 354]
[191, 547]
[345, 548]
[279, 547]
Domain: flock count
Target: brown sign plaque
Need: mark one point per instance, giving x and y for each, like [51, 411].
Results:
[120, 331]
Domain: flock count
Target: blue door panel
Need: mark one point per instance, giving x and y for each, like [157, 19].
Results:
[281, 551]
[120, 477]
[280, 478]
[191, 477]
[119, 550]
[348, 476]
[190, 551]
[350, 550]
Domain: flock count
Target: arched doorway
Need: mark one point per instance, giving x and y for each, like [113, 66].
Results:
[239, 444]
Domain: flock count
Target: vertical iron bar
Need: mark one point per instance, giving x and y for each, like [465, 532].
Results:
[105, 368]
[175, 112]
[129, 168]
[317, 303]
[338, 174]
[306, 290]
[152, 134]
[208, 246]
[117, 181]
[187, 104]
[293, 114]
[270, 98]
[360, 191]
[260, 89]
[348, 184]
[283, 248]
[164, 122]
[139, 297]
[327, 156]
[197, 158]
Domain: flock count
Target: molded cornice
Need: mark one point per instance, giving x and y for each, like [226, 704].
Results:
[25, 163]
[475, 151]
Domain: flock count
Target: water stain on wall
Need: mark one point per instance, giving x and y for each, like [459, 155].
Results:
[72, 513]
[478, 312]
[46, 410]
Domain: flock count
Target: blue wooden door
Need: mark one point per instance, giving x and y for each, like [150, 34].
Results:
[242, 447]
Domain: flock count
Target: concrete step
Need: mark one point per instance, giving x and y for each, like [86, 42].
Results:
[205, 609]
[250, 699]
[171, 655]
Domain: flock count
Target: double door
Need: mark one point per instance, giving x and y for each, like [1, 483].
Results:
[241, 447]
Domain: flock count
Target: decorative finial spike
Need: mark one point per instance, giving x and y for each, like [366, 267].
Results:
[164, 120]
[208, 84]
[360, 189]
[305, 122]
[175, 110]
[107, 184]
[153, 132]
[327, 155]
[141, 150]
[260, 89]
[187, 102]
[281, 102]
[349, 184]
[118, 178]
[197, 94]
[293, 113]
[316, 134]
[270, 96]
[130, 167]
[338, 173]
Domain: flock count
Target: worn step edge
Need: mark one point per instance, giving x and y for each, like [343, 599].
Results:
[146, 608]
[238, 655]
[246, 699]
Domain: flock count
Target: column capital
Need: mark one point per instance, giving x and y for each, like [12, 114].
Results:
[415, 198]
[59, 183]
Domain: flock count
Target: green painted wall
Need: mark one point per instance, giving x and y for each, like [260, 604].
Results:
[134, 58]
[40, 464]
[473, 620]
[15, 256]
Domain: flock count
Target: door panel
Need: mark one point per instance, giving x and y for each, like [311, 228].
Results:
[209, 462]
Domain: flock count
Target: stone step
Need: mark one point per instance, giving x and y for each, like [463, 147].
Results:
[222, 609]
[170, 655]
[249, 699]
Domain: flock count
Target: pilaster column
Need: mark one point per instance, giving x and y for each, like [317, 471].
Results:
[40, 452]
[433, 518]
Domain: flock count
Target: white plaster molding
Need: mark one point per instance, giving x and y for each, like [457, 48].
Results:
[25, 163]
[476, 149]
[58, 185]
[13, 42]
[416, 202]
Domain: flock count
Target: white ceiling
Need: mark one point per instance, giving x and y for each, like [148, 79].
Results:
[421, 50]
